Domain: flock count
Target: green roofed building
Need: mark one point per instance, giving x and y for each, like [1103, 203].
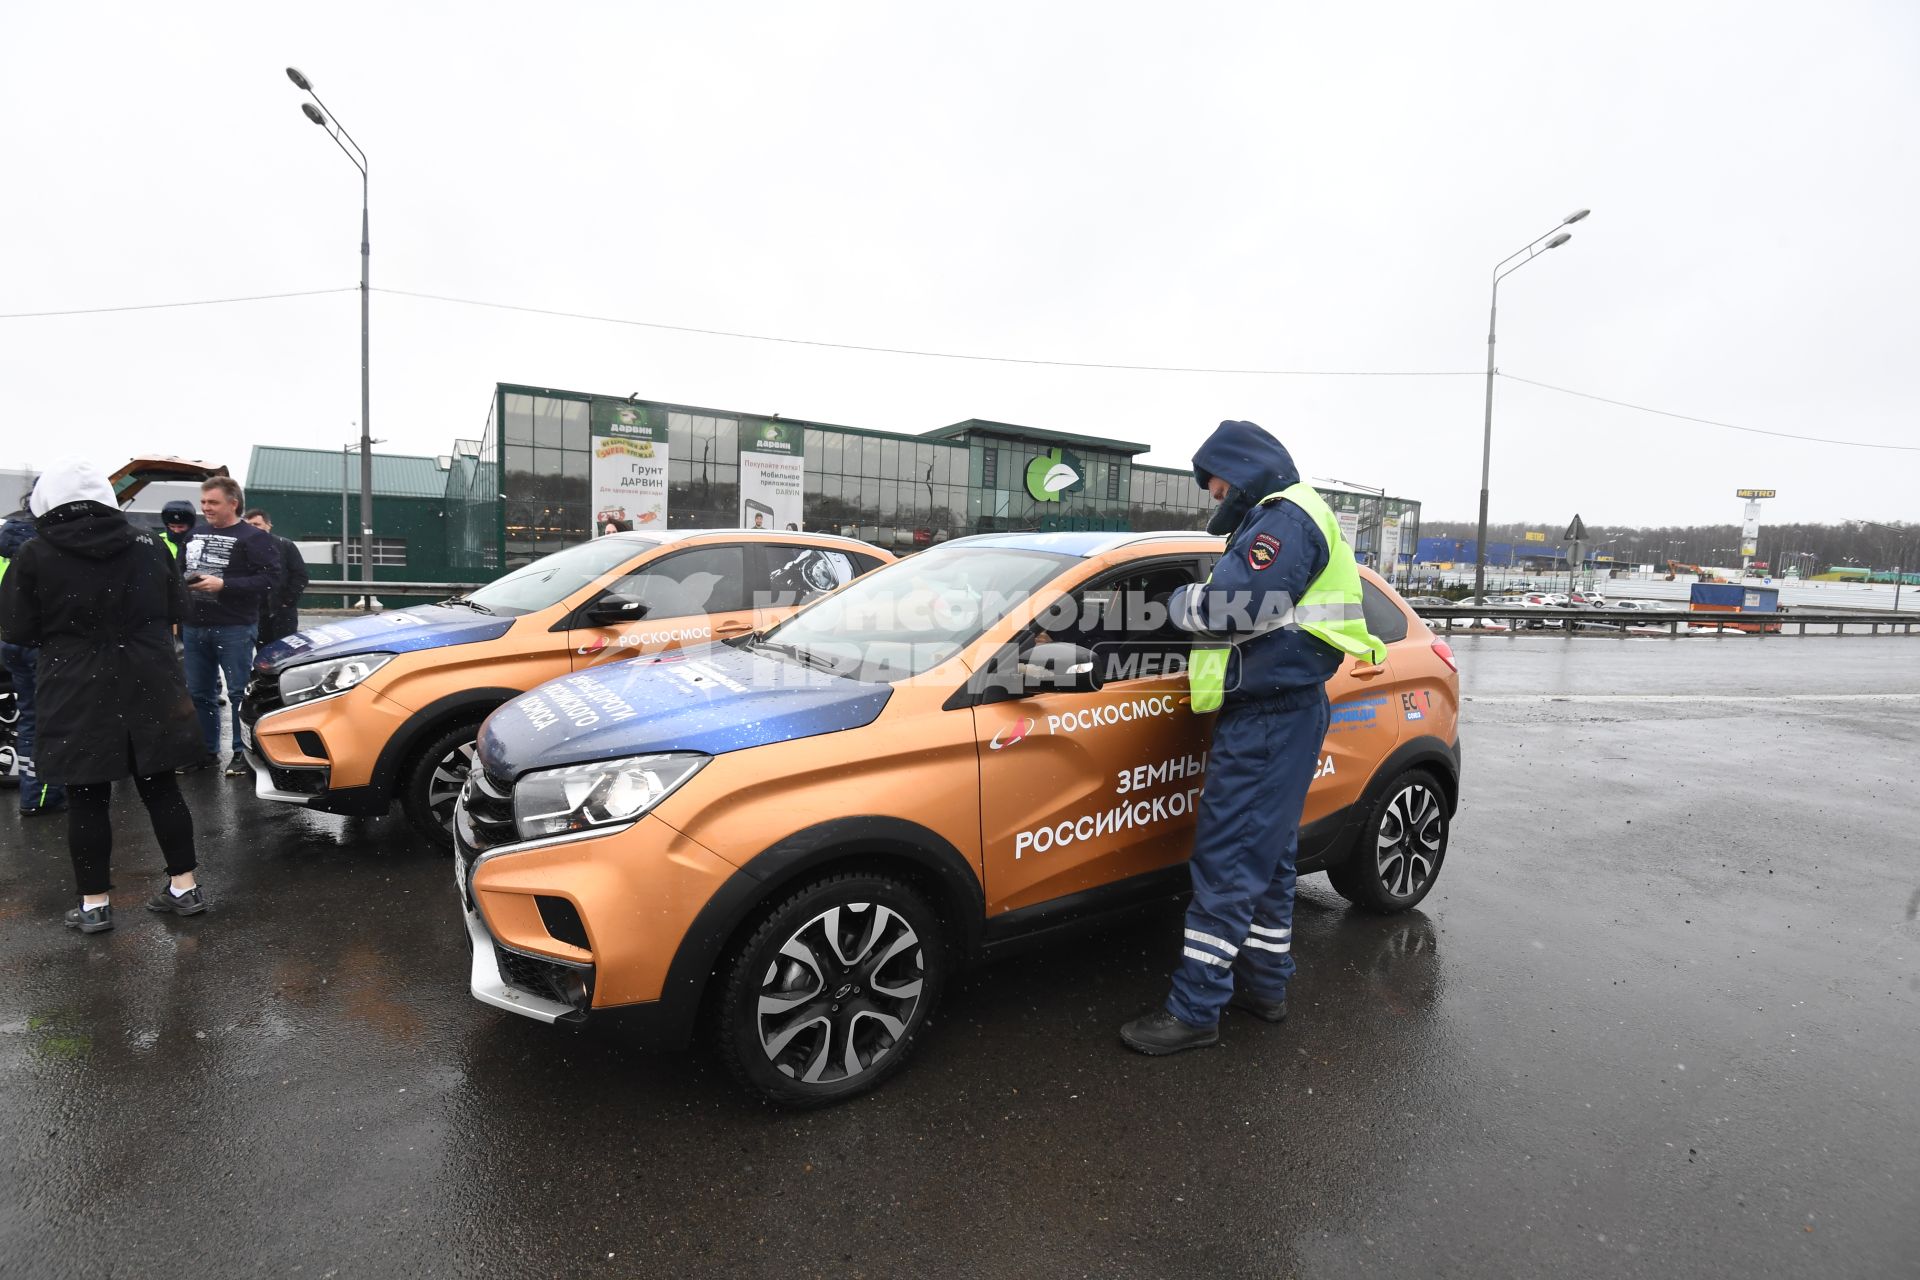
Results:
[302, 490]
[553, 467]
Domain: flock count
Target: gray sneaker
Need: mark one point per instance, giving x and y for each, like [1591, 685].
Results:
[190, 903]
[98, 920]
[238, 766]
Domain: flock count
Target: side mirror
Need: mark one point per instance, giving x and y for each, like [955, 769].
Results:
[1059, 667]
[611, 611]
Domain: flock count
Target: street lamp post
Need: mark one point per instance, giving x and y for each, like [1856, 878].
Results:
[1532, 249]
[316, 111]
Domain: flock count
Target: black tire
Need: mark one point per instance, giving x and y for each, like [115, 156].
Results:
[434, 779]
[855, 964]
[1400, 850]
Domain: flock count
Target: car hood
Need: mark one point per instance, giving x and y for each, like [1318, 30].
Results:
[712, 699]
[427, 626]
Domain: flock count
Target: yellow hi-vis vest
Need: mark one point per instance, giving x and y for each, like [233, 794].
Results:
[1330, 609]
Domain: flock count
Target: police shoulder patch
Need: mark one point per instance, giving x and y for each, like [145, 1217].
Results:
[1264, 550]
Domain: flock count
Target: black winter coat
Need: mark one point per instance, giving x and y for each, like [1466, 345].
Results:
[100, 598]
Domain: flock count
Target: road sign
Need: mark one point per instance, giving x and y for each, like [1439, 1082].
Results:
[1533, 536]
[1753, 493]
[1576, 532]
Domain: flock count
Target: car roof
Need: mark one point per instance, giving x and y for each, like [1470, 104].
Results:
[1082, 544]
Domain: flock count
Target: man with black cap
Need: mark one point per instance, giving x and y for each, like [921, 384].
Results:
[1273, 622]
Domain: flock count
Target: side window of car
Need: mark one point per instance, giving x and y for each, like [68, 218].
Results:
[1383, 616]
[1123, 619]
[793, 575]
[694, 581]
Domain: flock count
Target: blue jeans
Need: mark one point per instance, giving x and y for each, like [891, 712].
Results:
[23, 665]
[210, 653]
[1239, 924]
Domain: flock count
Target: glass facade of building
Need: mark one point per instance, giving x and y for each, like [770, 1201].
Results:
[524, 488]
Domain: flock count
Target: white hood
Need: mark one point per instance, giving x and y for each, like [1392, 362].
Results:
[66, 482]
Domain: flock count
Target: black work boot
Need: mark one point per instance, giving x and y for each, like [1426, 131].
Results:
[97, 920]
[1265, 1010]
[1160, 1032]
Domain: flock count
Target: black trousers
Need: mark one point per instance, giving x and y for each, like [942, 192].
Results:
[90, 830]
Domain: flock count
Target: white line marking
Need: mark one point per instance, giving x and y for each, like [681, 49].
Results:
[1694, 697]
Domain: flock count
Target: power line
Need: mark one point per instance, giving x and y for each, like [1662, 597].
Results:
[161, 306]
[970, 356]
[936, 355]
[1709, 422]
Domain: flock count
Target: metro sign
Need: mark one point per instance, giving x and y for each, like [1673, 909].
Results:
[1754, 493]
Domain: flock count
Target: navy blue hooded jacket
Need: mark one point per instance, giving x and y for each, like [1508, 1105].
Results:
[1275, 548]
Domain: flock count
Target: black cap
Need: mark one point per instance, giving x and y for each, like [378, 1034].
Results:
[178, 509]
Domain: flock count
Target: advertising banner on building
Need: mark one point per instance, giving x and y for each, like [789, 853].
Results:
[1389, 543]
[1349, 522]
[772, 475]
[628, 476]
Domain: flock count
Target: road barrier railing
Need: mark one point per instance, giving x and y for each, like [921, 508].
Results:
[1574, 621]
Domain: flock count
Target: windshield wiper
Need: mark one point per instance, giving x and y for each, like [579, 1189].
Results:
[467, 603]
[804, 656]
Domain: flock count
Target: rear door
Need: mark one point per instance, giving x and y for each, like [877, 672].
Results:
[1369, 713]
[692, 595]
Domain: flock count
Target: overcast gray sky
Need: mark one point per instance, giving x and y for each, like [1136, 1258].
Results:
[1231, 185]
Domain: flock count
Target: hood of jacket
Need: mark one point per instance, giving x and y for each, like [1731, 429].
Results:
[88, 529]
[15, 534]
[1247, 458]
[67, 482]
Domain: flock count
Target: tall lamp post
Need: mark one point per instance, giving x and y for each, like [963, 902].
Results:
[316, 111]
[1526, 253]
[345, 450]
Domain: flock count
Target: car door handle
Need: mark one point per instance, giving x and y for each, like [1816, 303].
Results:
[730, 629]
[1368, 673]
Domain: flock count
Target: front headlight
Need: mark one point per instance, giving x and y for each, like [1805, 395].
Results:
[605, 793]
[313, 680]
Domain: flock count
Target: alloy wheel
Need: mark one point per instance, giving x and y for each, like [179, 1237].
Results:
[448, 780]
[1411, 838]
[840, 993]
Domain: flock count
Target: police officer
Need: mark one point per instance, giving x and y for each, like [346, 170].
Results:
[179, 517]
[1279, 613]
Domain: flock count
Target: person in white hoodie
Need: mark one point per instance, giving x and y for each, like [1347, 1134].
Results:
[100, 598]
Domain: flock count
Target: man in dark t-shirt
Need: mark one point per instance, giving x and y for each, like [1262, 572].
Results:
[231, 568]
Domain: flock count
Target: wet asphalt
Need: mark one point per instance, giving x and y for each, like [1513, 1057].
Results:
[1661, 1015]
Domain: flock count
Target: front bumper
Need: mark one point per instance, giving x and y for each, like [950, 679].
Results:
[631, 894]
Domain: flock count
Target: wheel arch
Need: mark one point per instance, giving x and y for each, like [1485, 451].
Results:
[424, 725]
[887, 846]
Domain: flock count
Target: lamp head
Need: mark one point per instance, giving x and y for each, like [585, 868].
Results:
[1559, 240]
[313, 113]
[300, 82]
[1574, 217]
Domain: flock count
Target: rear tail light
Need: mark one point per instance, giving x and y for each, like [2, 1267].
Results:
[1445, 651]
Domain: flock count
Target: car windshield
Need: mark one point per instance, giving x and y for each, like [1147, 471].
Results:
[908, 617]
[551, 579]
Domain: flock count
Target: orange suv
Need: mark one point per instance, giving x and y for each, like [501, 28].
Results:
[349, 716]
[803, 834]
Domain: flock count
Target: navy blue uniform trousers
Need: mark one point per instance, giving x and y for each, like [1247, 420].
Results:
[1245, 842]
